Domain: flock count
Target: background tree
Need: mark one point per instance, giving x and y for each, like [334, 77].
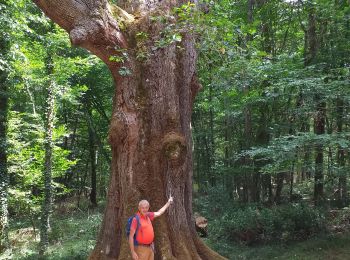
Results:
[5, 21]
[277, 49]
[46, 209]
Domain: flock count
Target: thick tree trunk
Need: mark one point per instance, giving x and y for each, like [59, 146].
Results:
[150, 131]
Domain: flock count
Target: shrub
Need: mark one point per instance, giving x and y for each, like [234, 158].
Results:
[282, 223]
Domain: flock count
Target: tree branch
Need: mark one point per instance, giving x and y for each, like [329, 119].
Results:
[90, 24]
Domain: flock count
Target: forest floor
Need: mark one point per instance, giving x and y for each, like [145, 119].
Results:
[327, 247]
[74, 232]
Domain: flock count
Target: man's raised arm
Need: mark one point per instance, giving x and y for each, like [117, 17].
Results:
[164, 208]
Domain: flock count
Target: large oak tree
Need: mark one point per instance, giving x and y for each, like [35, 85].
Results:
[150, 129]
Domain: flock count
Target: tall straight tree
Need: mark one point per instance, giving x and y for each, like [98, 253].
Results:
[47, 174]
[150, 130]
[320, 114]
[319, 129]
[342, 184]
[4, 242]
[92, 151]
[4, 49]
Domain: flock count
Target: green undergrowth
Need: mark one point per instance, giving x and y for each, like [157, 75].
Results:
[322, 247]
[286, 231]
[73, 235]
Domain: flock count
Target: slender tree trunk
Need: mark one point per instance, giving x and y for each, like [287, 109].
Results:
[211, 151]
[46, 208]
[200, 152]
[319, 129]
[262, 138]
[305, 127]
[250, 10]
[311, 37]
[291, 183]
[266, 32]
[199, 167]
[250, 16]
[4, 178]
[248, 136]
[47, 203]
[270, 192]
[212, 140]
[279, 186]
[320, 117]
[227, 162]
[5, 46]
[69, 174]
[150, 132]
[92, 151]
[342, 183]
[207, 160]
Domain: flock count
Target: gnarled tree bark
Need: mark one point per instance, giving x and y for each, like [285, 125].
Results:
[150, 131]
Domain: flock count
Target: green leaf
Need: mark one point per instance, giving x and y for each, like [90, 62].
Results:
[124, 71]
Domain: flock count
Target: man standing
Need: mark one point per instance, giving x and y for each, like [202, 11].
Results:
[143, 249]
